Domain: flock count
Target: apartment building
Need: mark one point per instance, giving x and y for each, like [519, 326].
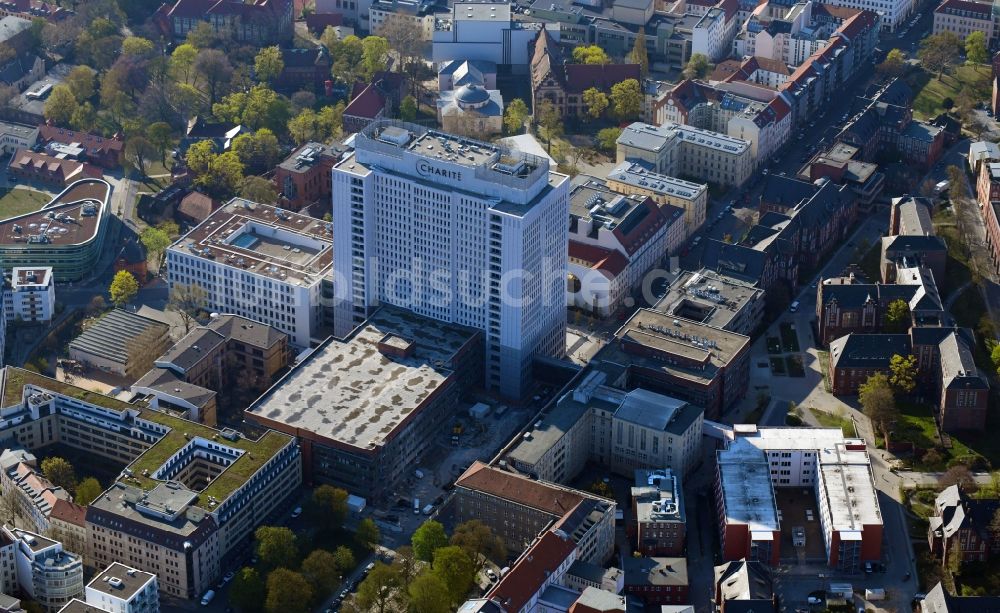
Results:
[613, 241]
[189, 494]
[413, 204]
[37, 496]
[30, 296]
[72, 241]
[42, 569]
[892, 15]
[676, 149]
[633, 178]
[123, 589]
[415, 15]
[625, 431]
[260, 262]
[963, 17]
[657, 524]
[413, 370]
[759, 463]
[518, 509]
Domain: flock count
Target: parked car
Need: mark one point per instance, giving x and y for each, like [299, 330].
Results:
[296, 512]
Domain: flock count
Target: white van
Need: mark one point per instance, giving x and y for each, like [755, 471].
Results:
[207, 598]
[794, 307]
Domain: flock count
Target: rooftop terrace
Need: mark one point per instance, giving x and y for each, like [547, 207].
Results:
[71, 218]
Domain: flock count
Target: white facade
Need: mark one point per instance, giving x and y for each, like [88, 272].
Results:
[483, 31]
[45, 572]
[892, 13]
[14, 136]
[251, 279]
[713, 34]
[456, 230]
[31, 296]
[123, 589]
[411, 14]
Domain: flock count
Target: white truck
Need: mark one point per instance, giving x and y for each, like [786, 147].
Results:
[874, 594]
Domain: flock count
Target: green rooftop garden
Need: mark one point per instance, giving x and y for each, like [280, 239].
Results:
[181, 431]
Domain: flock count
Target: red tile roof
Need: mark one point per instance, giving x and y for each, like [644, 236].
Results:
[197, 206]
[483, 478]
[532, 570]
[65, 136]
[367, 104]
[69, 512]
[580, 77]
[965, 5]
[610, 261]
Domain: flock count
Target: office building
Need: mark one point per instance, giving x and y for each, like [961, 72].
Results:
[840, 164]
[911, 240]
[123, 589]
[67, 235]
[677, 149]
[518, 509]
[461, 231]
[484, 31]
[31, 295]
[260, 23]
[715, 299]
[376, 399]
[759, 464]
[189, 494]
[262, 263]
[635, 179]
[93, 148]
[614, 240]
[624, 431]
[657, 524]
[304, 177]
[42, 569]
[14, 136]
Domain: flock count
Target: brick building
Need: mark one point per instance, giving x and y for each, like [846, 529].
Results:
[657, 581]
[95, 149]
[57, 172]
[657, 523]
[304, 177]
[963, 523]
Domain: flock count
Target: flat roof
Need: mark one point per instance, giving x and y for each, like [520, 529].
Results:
[263, 239]
[36, 542]
[708, 297]
[745, 478]
[584, 197]
[638, 176]
[848, 489]
[653, 138]
[31, 276]
[481, 11]
[72, 217]
[354, 392]
[130, 581]
[308, 155]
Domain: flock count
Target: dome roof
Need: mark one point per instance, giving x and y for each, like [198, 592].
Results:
[471, 94]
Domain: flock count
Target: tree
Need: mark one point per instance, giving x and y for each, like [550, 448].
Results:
[939, 52]
[976, 48]
[408, 108]
[202, 36]
[698, 67]
[277, 547]
[12, 506]
[368, 533]
[182, 62]
[479, 543]
[956, 181]
[549, 121]
[287, 592]
[327, 506]
[607, 138]
[259, 151]
[897, 317]
[156, 242]
[248, 591]
[405, 565]
[893, 65]
[626, 98]
[136, 46]
[59, 472]
[374, 56]
[590, 54]
[639, 54]
[222, 177]
[187, 301]
[138, 150]
[160, 135]
[320, 570]
[60, 105]
[96, 306]
[305, 127]
[87, 491]
[123, 288]
[878, 401]
[961, 476]
[375, 592]
[596, 101]
[429, 594]
[81, 82]
[453, 566]
[268, 64]
[345, 56]
[343, 559]
[261, 107]
[427, 538]
[903, 373]
[995, 521]
[258, 189]
[515, 115]
[214, 71]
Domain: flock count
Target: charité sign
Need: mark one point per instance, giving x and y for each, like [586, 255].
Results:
[432, 171]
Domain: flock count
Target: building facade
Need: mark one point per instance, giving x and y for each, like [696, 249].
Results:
[123, 589]
[676, 149]
[413, 204]
[31, 297]
[963, 17]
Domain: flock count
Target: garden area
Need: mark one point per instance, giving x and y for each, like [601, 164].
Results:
[789, 339]
[932, 95]
[829, 420]
[19, 201]
[916, 425]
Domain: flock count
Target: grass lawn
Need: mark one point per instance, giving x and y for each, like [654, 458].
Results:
[930, 92]
[20, 201]
[773, 344]
[795, 368]
[829, 420]
[789, 340]
[777, 367]
[824, 367]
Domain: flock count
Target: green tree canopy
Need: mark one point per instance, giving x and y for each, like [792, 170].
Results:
[429, 594]
[268, 64]
[626, 98]
[939, 52]
[408, 108]
[375, 592]
[123, 288]
[607, 138]
[181, 63]
[374, 56]
[261, 107]
[87, 491]
[515, 115]
[976, 48]
[596, 101]
[287, 592]
[60, 105]
[156, 242]
[639, 54]
[320, 570]
[878, 401]
[453, 566]
[550, 122]
[903, 373]
[368, 533]
[479, 543]
[277, 547]
[427, 538]
[81, 82]
[590, 54]
[698, 67]
[343, 560]
[259, 151]
[893, 65]
[60, 472]
[248, 592]
[258, 189]
[897, 317]
[327, 507]
[138, 47]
